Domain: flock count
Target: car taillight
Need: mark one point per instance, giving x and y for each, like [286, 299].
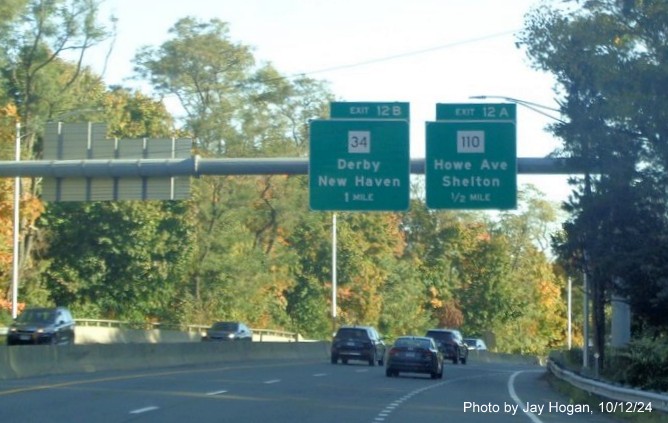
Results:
[393, 352]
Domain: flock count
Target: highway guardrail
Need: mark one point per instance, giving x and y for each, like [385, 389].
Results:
[623, 395]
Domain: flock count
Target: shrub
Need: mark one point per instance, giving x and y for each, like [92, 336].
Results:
[5, 317]
[644, 364]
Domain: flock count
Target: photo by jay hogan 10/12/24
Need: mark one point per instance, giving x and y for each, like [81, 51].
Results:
[555, 407]
[551, 407]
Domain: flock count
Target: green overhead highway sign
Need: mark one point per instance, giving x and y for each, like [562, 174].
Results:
[369, 110]
[359, 165]
[471, 157]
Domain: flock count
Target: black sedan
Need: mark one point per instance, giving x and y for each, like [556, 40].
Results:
[414, 354]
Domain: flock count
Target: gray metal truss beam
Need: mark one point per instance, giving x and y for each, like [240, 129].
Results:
[196, 166]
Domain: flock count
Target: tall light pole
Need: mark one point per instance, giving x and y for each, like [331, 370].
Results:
[17, 193]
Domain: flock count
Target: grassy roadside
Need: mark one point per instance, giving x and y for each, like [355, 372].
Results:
[582, 397]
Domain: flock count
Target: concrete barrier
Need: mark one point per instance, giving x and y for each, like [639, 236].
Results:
[115, 335]
[112, 335]
[40, 360]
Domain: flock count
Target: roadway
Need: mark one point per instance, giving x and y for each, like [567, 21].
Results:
[282, 391]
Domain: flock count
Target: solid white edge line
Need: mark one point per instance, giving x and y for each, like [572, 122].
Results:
[518, 401]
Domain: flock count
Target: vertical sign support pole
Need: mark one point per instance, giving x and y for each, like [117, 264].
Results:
[334, 271]
[585, 347]
[334, 265]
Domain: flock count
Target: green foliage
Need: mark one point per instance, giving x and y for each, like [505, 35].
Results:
[42, 36]
[404, 309]
[309, 299]
[125, 258]
[643, 364]
[308, 309]
[134, 115]
[368, 244]
[5, 317]
[208, 73]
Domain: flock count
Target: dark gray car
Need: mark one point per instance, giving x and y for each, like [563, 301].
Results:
[53, 326]
[451, 343]
[414, 354]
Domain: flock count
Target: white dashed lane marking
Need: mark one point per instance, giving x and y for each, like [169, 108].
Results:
[144, 410]
[385, 413]
[215, 393]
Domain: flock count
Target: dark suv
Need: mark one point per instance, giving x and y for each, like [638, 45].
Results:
[42, 326]
[228, 331]
[358, 343]
[451, 343]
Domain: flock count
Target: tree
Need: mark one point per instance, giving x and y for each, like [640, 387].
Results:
[209, 74]
[435, 243]
[235, 108]
[132, 114]
[609, 60]
[117, 260]
[537, 283]
[7, 136]
[308, 300]
[368, 247]
[45, 34]
[404, 308]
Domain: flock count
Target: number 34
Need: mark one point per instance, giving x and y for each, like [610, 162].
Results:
[359, 141]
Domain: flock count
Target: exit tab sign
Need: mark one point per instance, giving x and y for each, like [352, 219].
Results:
[481, 112]
[369, 110]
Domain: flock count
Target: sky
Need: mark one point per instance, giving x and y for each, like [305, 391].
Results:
[421, 51]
